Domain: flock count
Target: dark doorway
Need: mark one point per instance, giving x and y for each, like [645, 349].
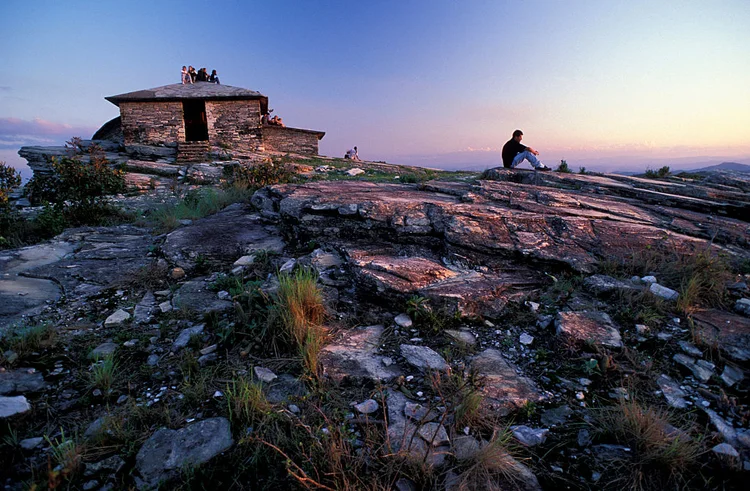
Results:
[196, 126]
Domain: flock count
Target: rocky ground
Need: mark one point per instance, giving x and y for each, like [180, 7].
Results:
[519, 331]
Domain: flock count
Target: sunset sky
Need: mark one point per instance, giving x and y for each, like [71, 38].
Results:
[610, 85]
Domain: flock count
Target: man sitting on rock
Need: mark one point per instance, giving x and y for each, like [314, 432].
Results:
[352, 154]
[514, 153]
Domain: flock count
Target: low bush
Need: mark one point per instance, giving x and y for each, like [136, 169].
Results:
[563, 167]
[656, 174]
[265, 173]
[9, 179]
[78, 187]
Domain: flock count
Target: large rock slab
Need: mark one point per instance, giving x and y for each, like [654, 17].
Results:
[352, 355]
[194, 296]
[11, 406]
[21, 381]
[100, 256]
[502, 219]
[221, 238]
[729, 332]
[24, 296]
[503, 388]
[388, 273]
[596, 327]
[423, 357]
[167, 452]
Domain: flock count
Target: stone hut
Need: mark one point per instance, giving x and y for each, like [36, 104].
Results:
[187, 133]
[203, 117]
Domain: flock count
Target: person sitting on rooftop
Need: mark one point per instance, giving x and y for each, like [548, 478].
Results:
[202, 75]
[185, 76]
[352, 154]
[264, 120]
[214, 78]
[193, 74]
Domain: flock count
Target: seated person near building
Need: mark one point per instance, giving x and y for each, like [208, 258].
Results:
[352, 154]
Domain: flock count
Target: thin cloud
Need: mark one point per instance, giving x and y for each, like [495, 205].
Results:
[16, 132]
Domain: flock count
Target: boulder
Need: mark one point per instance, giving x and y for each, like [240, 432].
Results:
[729, 332]
[195, 297]
[21, 381]
[596, 327]
[423, 357]
[164, 455]
[352, 355]
[218, 240]
[11, 406]
[503, 388]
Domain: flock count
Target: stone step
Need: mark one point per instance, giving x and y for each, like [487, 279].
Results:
[192, 151]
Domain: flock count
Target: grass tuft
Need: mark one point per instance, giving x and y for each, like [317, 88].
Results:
[197, 204]
[24, 339]
[103, 373]
[663, 455]
[246, 402]
[301, 310]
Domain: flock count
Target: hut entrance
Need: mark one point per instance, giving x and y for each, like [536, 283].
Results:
[196, 126]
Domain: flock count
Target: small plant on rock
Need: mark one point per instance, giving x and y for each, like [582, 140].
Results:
[563, 167]
[103, 373]
[66, 454]
[245, 401]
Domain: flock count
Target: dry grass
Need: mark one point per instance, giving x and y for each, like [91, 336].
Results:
[662, 455]
[65, 459]
[700, 275]
[493, 467]
[301, 310]
[246, 402]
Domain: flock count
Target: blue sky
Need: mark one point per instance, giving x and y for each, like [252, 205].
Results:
[606, 85]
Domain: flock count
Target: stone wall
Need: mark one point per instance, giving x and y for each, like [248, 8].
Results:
[293, 140]
[152, 123]
[235, 123]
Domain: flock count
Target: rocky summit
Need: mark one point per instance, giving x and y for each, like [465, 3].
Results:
[391, 328]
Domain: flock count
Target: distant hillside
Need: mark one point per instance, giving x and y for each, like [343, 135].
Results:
[733, 166]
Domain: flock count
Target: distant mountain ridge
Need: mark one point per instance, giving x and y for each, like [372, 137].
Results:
[733, 166]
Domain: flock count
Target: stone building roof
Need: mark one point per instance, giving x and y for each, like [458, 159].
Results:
[180, 92]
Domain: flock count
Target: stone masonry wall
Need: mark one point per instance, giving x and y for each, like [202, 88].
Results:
[152, 123]
[235, 123]
[293, 140]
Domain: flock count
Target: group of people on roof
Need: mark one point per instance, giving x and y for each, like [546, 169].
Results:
[190, 76]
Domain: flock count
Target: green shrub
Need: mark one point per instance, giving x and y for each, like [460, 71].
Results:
[9, 179]
[563, 167]
[77, 187]
[262, 174]
[49, 222]
[655, 174]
